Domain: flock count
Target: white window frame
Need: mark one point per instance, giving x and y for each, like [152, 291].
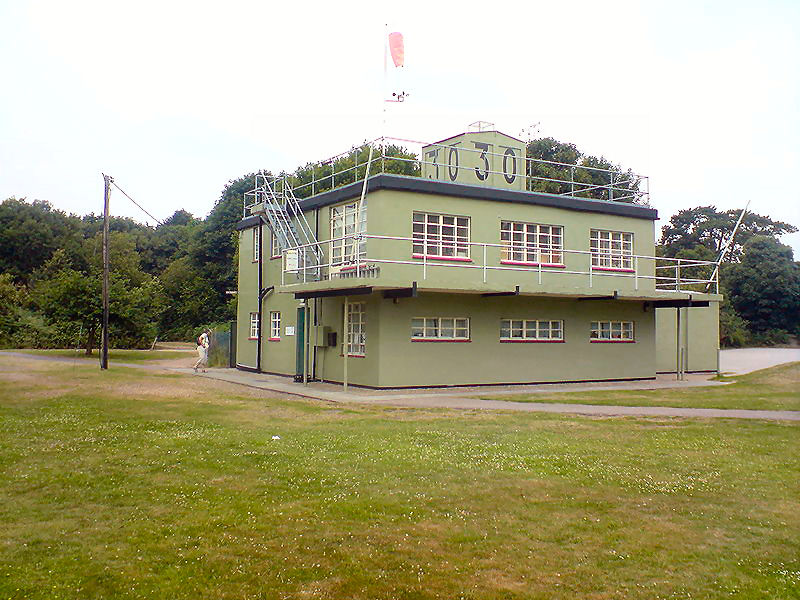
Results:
[531, 330]
[253, 326]
[611, 250]
[347, 251]
[440, 329]
[256, 245]
[531, 243]
[274, 250]
[612, 331]
[356, 337]
[275, 325]
[439, 236]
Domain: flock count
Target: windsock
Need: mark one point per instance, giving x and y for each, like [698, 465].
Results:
[396, 48]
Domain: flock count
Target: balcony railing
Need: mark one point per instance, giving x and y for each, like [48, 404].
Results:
[405, 157]
[486, 260]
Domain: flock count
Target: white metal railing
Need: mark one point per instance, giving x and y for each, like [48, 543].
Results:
[666, 274]
[567, 179]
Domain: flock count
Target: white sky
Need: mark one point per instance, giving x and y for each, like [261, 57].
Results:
[175, 98]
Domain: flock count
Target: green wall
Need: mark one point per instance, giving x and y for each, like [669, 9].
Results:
[487, 360]
[699, 338]
[392, 359]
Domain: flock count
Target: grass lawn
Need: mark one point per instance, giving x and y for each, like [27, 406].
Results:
[116, 355]
[776, 388]
[133, 484]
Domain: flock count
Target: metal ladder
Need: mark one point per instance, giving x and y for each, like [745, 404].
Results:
[289, 225]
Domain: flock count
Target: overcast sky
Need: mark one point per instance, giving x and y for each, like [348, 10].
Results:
[175, 98]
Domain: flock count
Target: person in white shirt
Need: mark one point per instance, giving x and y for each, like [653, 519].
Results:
[202, 351]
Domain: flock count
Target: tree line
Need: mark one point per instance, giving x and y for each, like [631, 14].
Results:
[171, 280]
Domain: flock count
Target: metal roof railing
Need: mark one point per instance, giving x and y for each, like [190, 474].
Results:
[404, 157]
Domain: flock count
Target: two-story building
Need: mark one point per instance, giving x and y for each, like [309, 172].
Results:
[464, 276]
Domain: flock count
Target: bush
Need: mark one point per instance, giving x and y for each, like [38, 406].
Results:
[771, 337]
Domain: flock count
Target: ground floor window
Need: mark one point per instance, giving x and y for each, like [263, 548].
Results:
[519, 330]
[440, 328]
[253, 325]
[356, 340]
[275, 325]
[612, 331]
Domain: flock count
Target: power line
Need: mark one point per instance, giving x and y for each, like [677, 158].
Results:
[136, 203]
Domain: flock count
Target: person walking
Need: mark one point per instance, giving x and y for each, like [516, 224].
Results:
[202, 351]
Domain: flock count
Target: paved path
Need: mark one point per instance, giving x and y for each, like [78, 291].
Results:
[746, 360]
[469, 398]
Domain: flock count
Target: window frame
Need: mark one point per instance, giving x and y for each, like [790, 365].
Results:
[611, 259]
[532, 325]
[254, 323]
[274, 326]
[424, 242]
[437, 325]
[343, 252]
[532, 252]
[355, 329]
[256, 245]
[625, 327]
[274, 250]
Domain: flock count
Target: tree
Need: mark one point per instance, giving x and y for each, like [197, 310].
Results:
[351, 167]
[580, 168]
[765, 286]
[73, 298]
[707, 227]
[31, 232]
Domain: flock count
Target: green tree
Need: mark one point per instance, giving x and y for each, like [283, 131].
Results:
[707, 227]
[11, 299]
[72, 298]
[765, 286]
[31, 232]
[591, 171]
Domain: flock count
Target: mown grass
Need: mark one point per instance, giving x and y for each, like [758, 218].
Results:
[114, 354]
[776, 388]
[130, 484]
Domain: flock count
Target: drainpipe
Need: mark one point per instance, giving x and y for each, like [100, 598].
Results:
[260, 296]
[345, 348]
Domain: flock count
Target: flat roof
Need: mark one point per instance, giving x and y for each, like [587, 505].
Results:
[405, 183]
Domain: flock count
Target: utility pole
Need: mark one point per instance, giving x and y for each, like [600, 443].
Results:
[107, 180]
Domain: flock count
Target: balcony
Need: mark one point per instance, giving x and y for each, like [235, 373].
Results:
[388, 262]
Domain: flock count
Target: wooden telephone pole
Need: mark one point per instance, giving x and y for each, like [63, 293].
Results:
[107, 180]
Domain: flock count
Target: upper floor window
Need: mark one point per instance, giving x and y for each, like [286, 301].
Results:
[519, 330]
[611, 331]
[256, 244]
[440, 236]
[531, 243]
[611, 249]
[274, 249]
[346, 221]
[440, 328]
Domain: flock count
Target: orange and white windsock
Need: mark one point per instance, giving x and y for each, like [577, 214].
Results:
[396, 48]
